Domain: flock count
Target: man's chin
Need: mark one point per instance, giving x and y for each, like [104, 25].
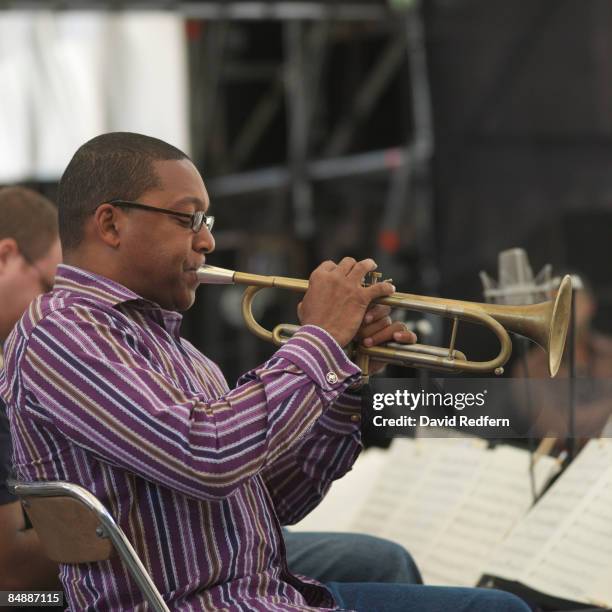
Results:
[185, 301]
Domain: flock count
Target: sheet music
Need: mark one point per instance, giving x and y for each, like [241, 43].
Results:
[467, 533]
[406, 461]
[498, 498]
[452, 501]
[565, 542]
[581, 550]
[445, 479]
[364, 499]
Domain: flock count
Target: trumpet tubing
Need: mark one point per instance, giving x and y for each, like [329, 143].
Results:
[545, 324]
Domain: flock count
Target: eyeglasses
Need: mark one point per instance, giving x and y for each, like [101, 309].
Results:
[197, 219]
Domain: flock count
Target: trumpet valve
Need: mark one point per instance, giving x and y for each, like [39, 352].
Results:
[371, 278]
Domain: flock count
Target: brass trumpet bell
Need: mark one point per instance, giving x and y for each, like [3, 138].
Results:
[545, 324]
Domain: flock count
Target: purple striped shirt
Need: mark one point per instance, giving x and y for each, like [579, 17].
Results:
[102, 391]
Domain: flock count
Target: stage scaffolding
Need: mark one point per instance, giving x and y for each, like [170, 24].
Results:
[295, 80]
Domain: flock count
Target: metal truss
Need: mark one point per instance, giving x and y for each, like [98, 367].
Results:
[296, 82]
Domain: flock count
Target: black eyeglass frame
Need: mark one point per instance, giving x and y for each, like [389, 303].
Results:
[198, 219]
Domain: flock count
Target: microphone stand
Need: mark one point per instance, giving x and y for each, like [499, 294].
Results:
[530, 439]
[571, 441]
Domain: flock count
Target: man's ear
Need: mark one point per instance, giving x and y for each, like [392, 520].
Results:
[107, 225]
[8, 250]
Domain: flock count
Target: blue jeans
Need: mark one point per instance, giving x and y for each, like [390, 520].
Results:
[376, 597]
[349, 557]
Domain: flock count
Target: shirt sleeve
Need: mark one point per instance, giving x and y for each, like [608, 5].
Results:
[86, 373]
[301, 477]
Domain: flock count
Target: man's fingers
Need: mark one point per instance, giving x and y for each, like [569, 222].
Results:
[376, 312]
[337, 301]
[346, 265]
[405, 337]
[326, 266]
[361, 268]
[379, 290]
[395, 332]
[366, 331]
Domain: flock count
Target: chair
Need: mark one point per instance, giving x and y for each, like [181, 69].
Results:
[74, 527]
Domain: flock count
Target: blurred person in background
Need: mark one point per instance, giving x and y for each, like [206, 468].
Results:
[29, 253]
[593, 368]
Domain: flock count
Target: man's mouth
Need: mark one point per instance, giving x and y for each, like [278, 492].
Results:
[194, 268]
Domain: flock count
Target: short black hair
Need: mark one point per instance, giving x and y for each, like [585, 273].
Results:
[117, 165]
[29, 219]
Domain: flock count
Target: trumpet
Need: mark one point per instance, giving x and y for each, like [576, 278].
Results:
[545, 323]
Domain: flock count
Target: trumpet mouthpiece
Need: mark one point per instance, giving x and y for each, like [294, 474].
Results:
[211, 275]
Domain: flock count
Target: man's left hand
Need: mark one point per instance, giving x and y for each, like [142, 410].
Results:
[378, 328]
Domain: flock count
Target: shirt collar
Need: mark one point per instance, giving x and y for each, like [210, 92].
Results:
[106, 291]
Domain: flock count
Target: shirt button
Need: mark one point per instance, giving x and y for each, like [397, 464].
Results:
[355, 418]
[331, 378]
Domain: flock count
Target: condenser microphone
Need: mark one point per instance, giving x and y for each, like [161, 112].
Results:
[516, 284]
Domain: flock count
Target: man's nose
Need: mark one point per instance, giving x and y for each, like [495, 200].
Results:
[203, 241]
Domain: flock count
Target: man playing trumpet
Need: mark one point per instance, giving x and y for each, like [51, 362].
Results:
[102, 391]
